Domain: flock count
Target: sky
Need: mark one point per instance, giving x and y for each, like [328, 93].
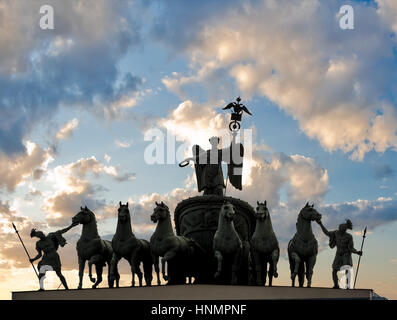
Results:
[79, 104]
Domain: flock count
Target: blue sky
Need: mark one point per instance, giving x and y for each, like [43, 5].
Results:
[83, 95]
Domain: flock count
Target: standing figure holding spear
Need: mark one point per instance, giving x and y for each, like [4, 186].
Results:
[344, 248]
[47, 248]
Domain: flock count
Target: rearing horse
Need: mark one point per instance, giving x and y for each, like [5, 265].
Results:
[227, 242]
[264, 246]
[90, 247]
[303, 247]
[126, 245]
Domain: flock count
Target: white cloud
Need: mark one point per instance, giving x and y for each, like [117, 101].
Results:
[195, 123]
[71, 188]
[385, 199]
[15, 170]
[122, 144]
[67, 130]
[331, 82]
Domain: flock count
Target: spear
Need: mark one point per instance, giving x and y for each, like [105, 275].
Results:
[359, 259]
[35, 271]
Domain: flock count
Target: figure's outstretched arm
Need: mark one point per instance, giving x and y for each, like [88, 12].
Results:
[66, 229]
[326, 232]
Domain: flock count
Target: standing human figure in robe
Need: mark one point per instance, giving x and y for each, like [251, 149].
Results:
[344, 248]
[208, 166]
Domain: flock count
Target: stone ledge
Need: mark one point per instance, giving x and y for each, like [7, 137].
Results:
[197, 292]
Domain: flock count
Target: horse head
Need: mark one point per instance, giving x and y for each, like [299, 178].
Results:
[309, 213]
[227, 211]
[84, 216]
[124, 213]
[262, 213]
[160, 213]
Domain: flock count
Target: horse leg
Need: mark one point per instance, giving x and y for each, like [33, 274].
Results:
[93, 260]
[275, 255]
[309, 269]
[219, 258]
[155, 260]
[236, 267]
[148, 271]
[266, 273]
[134, 263]
[301, 274]
[81, 272]
[99, 270]
[167, 257]
[258, 268]
[117, 274]
[113, 269]
[296, 260]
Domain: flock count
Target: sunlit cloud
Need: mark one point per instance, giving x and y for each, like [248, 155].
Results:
[67, 130]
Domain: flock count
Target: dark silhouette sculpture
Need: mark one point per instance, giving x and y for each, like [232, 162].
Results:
[237, 107]
[197, 218]
[208, 166]
[47, 248]
[177, 252]
[303, 247]
[90, 247]
[264, 246]
[236, 116]
[344, 247]
[135, 251]
[227, 243]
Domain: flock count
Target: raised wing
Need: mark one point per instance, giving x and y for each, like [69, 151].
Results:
[229, 106]
[246, 110]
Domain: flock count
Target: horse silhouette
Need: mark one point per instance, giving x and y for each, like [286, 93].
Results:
[177, 251]
[303, 247]
[90, 247]
[227, 243]
[264, 246]
[135, 251]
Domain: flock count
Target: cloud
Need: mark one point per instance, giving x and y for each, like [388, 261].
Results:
[338, 85]
[107, 158]
[75, 64]
[362, 213]
[122, 144]
[301, 177]
[11, 251]
[14, 170]
[72, 189]
[195, 123]
[67, 130]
